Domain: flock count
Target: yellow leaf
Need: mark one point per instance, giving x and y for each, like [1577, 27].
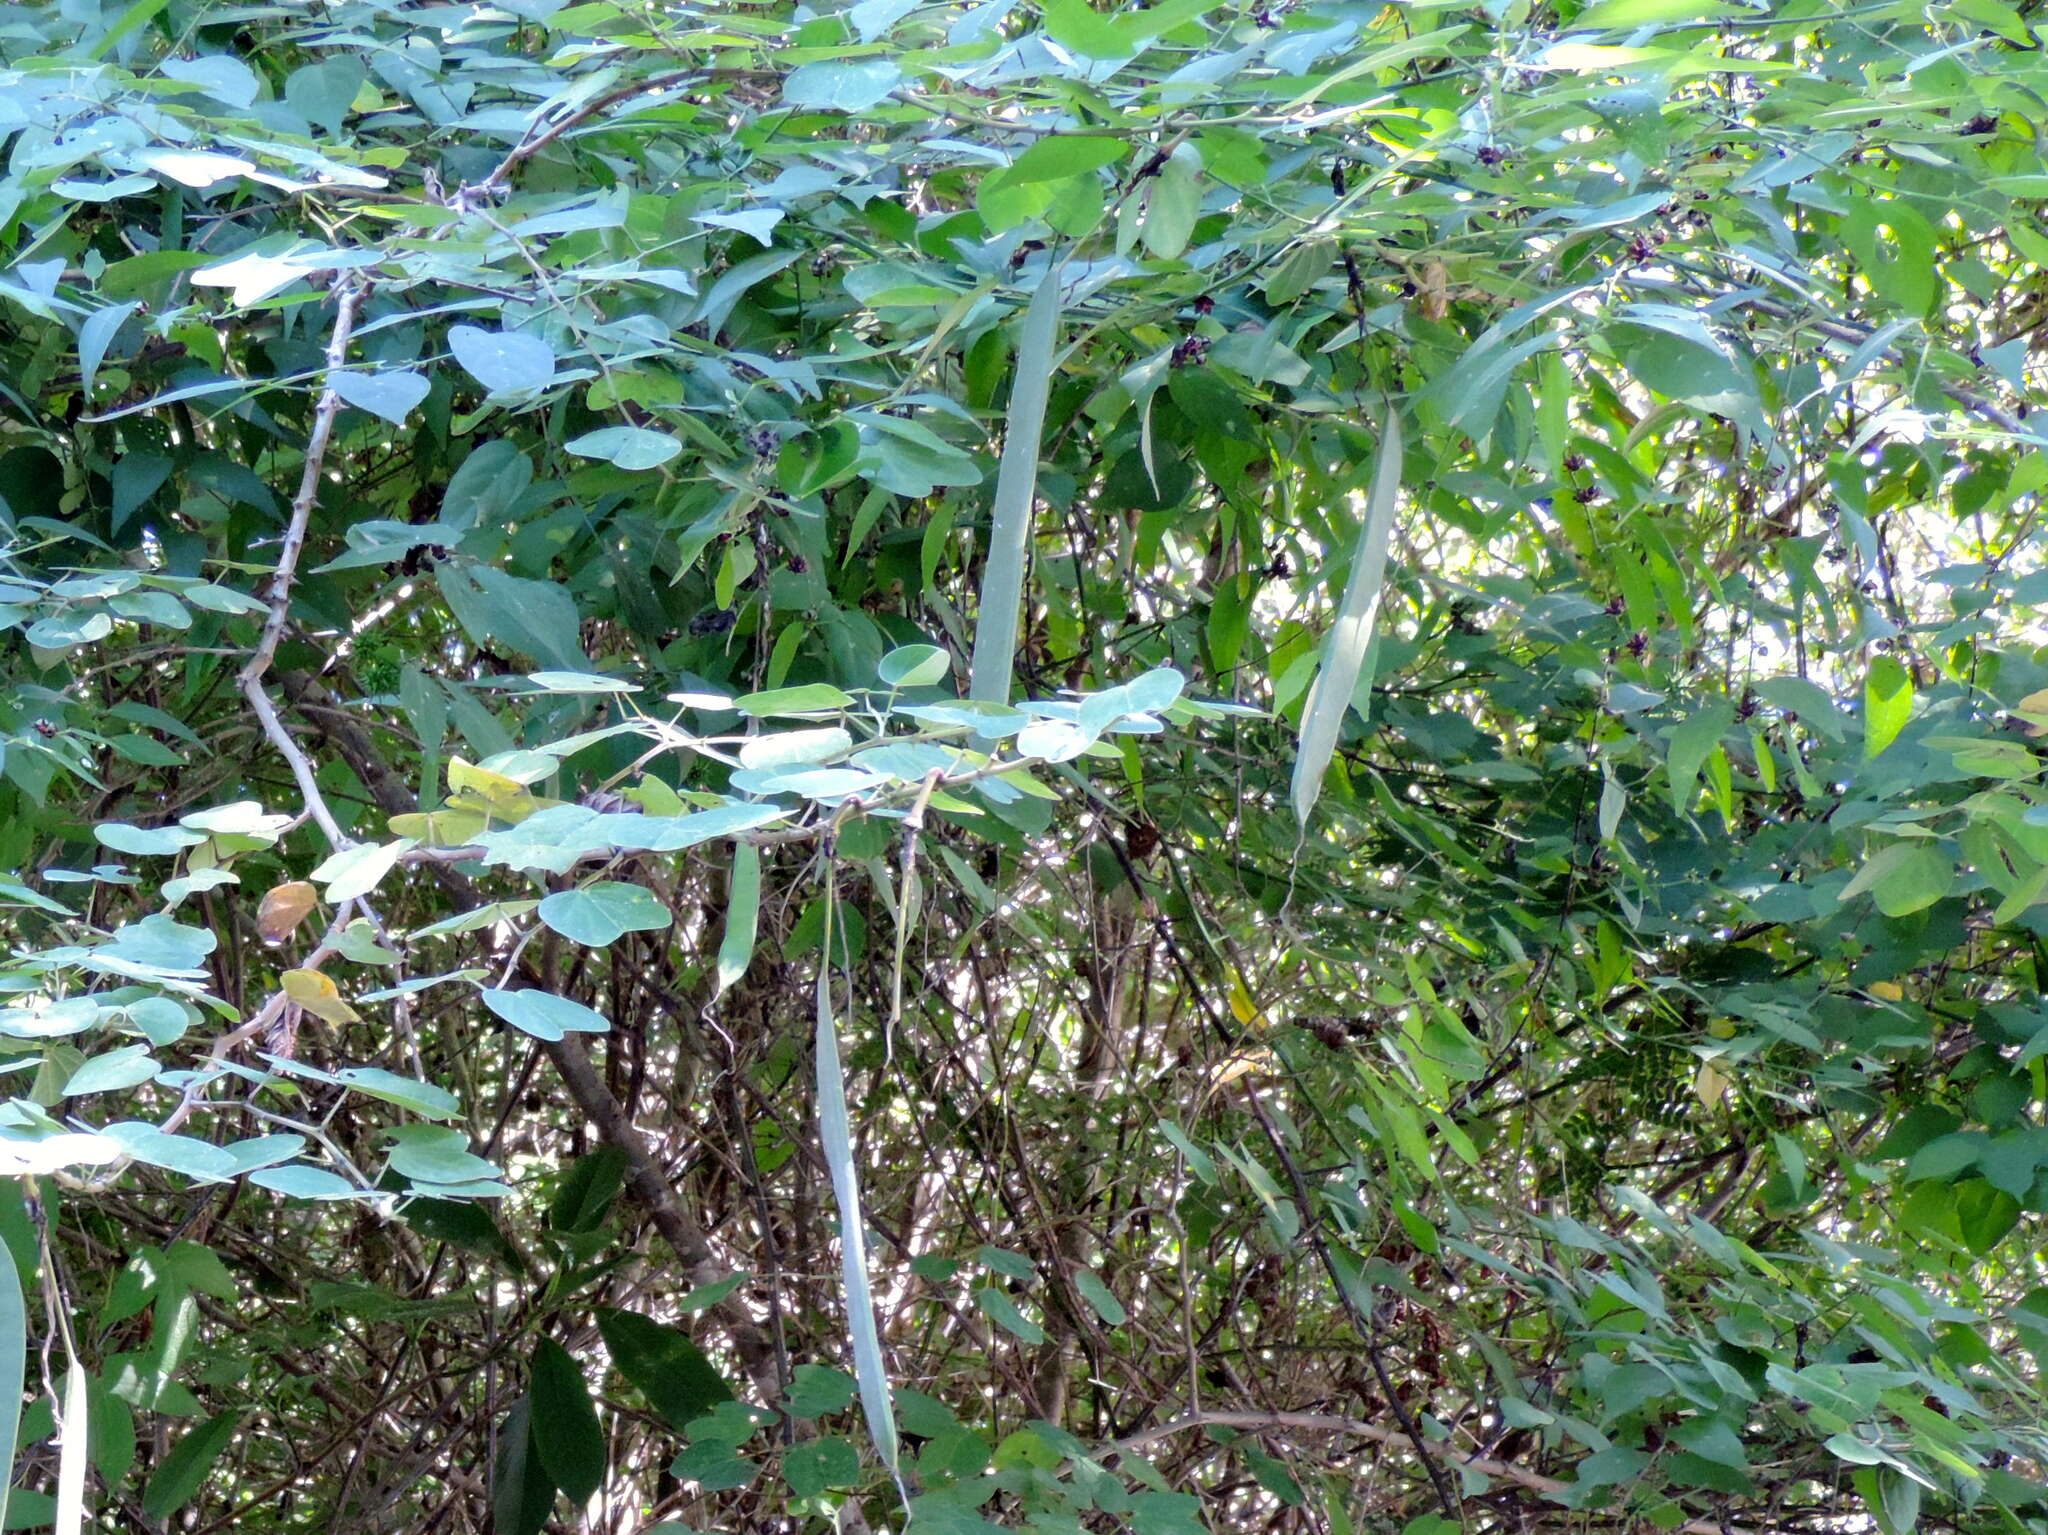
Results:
[505, 809]
[479, 791]
[1238, 1066]
[1888, 991]
[317, 994]
[440, 828]
[1722, 1028]
[1709, 1084]
[1242, 1007]
[284, 908]
[467, 775]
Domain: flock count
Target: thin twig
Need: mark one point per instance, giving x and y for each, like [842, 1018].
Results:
[349, 290]
[534, 142]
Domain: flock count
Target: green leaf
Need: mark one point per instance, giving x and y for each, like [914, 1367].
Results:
[629, 447]
[1350, 637]
[323, 92]
[296, 1180]
[536, 618]
[504, 362]
[819, 1465]
[1984, 1214]
[811, 698]
[465, 1224]
[672, 1372]
[126, 1067]
[179, 1476]
[1004, 1312]
[146, 842]
[598, 915]
[544, 1015]
[835, 1131]
[1101, 1299]
[817, 1390]
[1173, 202]
[1916, 882]
[1898, 1500]
[355, 872]
[1887, 703]
[854, 86]
[393, 394]
[742, 917]
[13, 1359]
[914, 666]
[1058, 156]
[594, 1181]
[522, 1495]
[436, 1155]
[1002, 579]
[1813, 704]
[1692, 741]
[1614, 14]
[566, 1434]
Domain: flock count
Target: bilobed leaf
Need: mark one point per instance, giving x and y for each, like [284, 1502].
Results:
[95, 335]
[629, 447]
[393, 394]
[296, 1180]
[1173, 202]
[436, 1154]
[1350, 637]
[1009, 539]
[1061, 155]
[1812, 703]
[853, 86]
[545, 1015]
[598, 915]
[146, 842]
[356, 871]
[126, 1067]
[566, 1434]
[323, 92]
[1915, 881]
[817, 1390]
[504, 361]
[819, 1464]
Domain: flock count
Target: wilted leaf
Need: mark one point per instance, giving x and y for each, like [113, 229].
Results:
[283, 908]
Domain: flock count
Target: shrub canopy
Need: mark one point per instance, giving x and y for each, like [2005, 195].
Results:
[1170, 767]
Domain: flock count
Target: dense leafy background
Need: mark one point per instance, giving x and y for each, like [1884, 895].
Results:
[433, 441]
